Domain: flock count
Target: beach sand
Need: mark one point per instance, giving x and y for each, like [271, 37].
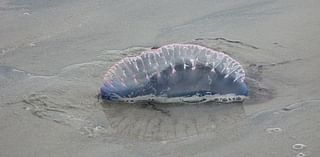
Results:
[53, 55]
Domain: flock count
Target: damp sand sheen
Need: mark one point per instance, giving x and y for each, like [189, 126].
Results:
[54, 56]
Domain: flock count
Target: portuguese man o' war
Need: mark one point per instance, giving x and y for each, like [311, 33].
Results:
[176, 73]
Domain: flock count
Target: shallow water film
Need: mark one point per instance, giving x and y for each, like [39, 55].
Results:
[54, 54]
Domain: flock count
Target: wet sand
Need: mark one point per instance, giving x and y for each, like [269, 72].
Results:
[53, 55]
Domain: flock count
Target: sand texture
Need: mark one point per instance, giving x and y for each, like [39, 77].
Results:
[53, 55]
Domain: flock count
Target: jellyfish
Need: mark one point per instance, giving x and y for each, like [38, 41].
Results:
[176, 73]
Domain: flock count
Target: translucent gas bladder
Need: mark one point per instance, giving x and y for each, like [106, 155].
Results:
[176, 73]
